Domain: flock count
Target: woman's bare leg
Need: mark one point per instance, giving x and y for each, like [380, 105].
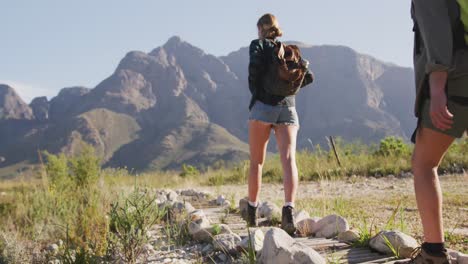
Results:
[286, 139]
[259, 134]
[428, 153]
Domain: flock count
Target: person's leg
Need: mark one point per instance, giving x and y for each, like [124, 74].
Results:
[259, 134]
[428, 152]
[286, 136]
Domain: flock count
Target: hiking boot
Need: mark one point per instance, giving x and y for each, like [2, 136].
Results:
[287, 220]
[420, 256]
[251, 216]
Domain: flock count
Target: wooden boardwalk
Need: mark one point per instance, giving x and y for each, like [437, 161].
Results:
[331, 249]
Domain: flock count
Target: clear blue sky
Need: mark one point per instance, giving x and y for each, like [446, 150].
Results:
[47, 45]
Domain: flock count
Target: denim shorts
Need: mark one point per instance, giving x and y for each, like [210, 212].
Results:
[275, 115]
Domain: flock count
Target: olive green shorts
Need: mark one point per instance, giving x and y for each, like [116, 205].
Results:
[457, 93]
[460, 118]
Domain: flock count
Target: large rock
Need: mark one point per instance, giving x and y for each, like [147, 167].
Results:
[330, 226]
[308, 226]
[401, 242]
[226, 243]
[269, 210]
[257, 237]
[280, 248]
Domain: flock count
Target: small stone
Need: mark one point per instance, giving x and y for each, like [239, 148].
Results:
[220, 200]
[172, 196]
[222, 257]
[207, 249]
[53, 248]
[349, 236]
[180, 207]
[60, 243]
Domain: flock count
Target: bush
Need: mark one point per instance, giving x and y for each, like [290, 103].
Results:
[130, 221]
[189, 170]
[69, 205]
[393, 146]
[75, 200]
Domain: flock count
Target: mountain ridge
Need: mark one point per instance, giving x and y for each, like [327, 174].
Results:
[165, 102]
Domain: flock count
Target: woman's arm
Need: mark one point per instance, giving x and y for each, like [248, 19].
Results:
[255, 65]
[434, 25]
[432, 17]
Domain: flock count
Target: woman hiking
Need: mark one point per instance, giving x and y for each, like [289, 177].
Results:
[441, 74]
[271, 112]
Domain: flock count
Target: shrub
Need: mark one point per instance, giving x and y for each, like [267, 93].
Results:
[130, 221]
[393, 146]
[189, 170]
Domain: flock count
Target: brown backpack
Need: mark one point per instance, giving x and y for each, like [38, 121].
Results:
[286, 72]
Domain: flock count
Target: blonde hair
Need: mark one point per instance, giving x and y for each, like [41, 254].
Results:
[269, 27]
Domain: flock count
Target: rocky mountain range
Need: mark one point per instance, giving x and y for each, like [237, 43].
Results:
[178, 105]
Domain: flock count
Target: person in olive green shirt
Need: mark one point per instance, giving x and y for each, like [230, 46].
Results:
[441, 72]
